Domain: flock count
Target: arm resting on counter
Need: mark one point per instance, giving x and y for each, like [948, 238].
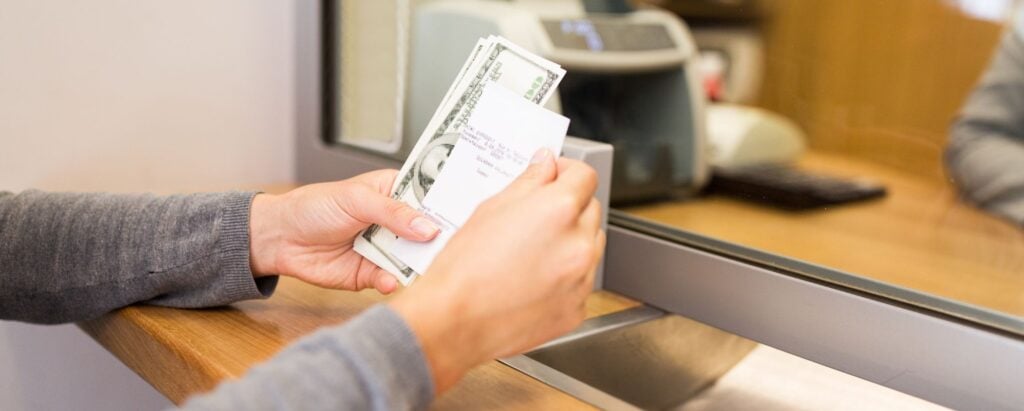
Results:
[68, 257]
[372, 362]
[76, 256]
[985, 155]
[72, 256]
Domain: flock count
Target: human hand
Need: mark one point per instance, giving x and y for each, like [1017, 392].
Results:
[515, 275]
[308, 232]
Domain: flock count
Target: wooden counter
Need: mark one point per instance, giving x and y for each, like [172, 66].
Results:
[183, 352]
[920, 236]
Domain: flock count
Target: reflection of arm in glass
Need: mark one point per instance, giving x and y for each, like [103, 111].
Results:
[985, 156]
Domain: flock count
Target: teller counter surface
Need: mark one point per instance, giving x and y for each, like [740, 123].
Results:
[920, 236]
[185, 352]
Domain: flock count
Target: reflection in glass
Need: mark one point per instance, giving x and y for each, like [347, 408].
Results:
[881, 93]
[871, 93]
[986, 148]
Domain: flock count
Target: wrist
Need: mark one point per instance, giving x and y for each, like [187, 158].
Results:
[263, 236]
[441, 336]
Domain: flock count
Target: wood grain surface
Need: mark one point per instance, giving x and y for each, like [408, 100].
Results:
[184, 352]
[920, 236]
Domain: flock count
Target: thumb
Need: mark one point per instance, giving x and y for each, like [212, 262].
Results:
[400, 218]
[384, 282]
[542, 170]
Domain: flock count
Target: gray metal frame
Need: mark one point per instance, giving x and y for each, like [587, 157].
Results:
[567, 384]
[937, 357]
[928, 355]
[572, 386]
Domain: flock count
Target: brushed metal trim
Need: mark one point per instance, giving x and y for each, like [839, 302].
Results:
[608, 322]
[566, 384]
[857, 283]
[921, 353]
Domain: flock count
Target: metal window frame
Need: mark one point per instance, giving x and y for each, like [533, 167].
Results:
[921, 352]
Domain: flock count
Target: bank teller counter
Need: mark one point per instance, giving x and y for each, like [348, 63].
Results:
[867, 327]
[875, 289]
[915, 291]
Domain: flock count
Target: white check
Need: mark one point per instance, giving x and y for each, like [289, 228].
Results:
[493, 149]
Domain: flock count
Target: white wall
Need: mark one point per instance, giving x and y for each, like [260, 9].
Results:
[128, 95]
[132, 95]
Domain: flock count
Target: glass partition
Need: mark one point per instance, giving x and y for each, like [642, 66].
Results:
[877, 144]
[918, 97]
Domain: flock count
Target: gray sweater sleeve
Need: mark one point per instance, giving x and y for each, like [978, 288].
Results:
[68, 257]
[985, 155]
[370, 363]
[74, 256]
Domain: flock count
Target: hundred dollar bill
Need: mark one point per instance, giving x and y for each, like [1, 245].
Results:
[497, 60]
[481, 44]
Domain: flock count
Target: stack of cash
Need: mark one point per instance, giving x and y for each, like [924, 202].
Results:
[492, 61]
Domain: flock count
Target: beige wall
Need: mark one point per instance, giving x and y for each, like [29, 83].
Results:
[137, 95]
[132, 95]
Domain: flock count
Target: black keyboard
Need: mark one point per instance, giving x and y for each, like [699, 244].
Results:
[790, 188]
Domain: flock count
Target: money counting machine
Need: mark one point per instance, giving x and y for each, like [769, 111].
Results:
[630, 81]
[631, 87]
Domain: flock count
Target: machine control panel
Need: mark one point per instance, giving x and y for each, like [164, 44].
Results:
[607, 35]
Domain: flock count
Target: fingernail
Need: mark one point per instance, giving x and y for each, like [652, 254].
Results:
[540, 156]
[424, 227]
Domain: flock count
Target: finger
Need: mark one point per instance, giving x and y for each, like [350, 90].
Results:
[577, 178]
[564, 163]
[542, 170]
[385, 283]
[380, 180]
[600, 240]
[375, 208]
[590, 219]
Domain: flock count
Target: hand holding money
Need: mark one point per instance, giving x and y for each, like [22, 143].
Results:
[308, 232]
[515, 275]
[488, 124]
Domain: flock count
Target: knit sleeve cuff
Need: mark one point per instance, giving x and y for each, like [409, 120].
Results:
[233, 251]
